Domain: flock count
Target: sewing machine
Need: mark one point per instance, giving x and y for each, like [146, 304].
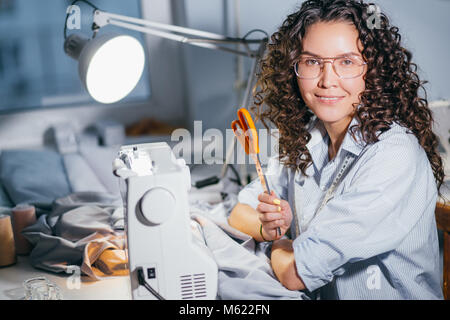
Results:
[164, 261]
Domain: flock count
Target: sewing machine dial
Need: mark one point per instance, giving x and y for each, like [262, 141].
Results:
[157, 205]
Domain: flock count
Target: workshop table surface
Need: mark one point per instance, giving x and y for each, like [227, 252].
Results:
[12, 278]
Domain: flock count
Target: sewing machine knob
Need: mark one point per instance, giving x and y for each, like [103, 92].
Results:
[157, 205]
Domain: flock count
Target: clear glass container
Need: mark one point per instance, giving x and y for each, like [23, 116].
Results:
[40, 288]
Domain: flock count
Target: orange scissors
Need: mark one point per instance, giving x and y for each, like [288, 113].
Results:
[245, 131]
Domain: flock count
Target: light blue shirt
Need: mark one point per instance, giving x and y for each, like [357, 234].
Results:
[377, 237]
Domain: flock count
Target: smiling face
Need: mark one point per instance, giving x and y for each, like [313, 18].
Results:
[325, 40]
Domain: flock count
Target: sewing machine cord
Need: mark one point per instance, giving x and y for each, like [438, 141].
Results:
[215, 179]
[142, 282]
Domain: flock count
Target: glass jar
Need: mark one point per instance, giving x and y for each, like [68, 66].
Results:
[40, 288]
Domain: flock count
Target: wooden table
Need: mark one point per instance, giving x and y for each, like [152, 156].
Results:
[443, 223]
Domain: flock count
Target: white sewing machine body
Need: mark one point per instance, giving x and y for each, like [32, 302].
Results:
[158, 228]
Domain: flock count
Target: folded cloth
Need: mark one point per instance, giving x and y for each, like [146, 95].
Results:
[105, 256]
[31, 176]
[100, 159]
[218, 213]
[60, 238]
[80, 174]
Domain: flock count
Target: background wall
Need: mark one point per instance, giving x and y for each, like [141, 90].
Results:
[424, 26]
[190, 83]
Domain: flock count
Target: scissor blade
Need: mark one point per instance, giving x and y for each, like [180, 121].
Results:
[252, 139]
[263, 179]
[240, 137]
[259, 168]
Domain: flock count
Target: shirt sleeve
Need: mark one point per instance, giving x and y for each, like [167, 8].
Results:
[276, 175]
[387, 196]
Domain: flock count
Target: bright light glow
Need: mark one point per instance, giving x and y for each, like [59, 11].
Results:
[115, 69]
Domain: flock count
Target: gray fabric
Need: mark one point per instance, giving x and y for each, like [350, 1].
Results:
[59, 238]
[33, 176]
[100, 159]
[244, 267]
[80, 174]
[218, 213]
[244, 274]
[91, 169]
[5, 200]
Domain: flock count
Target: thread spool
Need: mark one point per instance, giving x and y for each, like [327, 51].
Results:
[23, 215]
[7, 250]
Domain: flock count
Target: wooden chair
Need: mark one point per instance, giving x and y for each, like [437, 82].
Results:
[443, 223]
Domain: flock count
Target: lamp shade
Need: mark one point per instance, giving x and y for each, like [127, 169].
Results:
[110, 65]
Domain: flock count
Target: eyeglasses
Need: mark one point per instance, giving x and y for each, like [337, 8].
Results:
[347, 67]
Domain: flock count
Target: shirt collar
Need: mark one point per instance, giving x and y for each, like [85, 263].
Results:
[318, 144]
[350, 144]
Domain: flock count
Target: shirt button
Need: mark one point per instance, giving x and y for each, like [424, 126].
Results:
[322, 188]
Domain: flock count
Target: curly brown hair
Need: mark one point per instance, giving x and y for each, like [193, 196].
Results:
[391, 84]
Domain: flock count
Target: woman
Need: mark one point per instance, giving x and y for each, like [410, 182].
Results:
[358, 172]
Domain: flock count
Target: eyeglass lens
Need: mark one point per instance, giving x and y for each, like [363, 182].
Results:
[345, 67]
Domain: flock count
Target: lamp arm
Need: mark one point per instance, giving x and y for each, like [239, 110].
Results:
[208, 40]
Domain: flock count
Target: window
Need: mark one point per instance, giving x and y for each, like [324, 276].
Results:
[34, 70]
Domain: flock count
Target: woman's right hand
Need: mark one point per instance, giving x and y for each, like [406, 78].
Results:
[273, 213]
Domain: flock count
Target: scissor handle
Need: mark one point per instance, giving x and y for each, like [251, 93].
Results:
[235, 124]
[248, 126]
[246, 119]
[238, 131]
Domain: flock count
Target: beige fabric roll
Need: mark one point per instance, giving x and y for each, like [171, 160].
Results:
[22, 217]
[7, 250]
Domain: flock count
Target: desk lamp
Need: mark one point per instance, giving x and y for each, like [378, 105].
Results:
[111, 65]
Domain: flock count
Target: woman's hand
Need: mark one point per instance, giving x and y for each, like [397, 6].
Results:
[273, 213]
